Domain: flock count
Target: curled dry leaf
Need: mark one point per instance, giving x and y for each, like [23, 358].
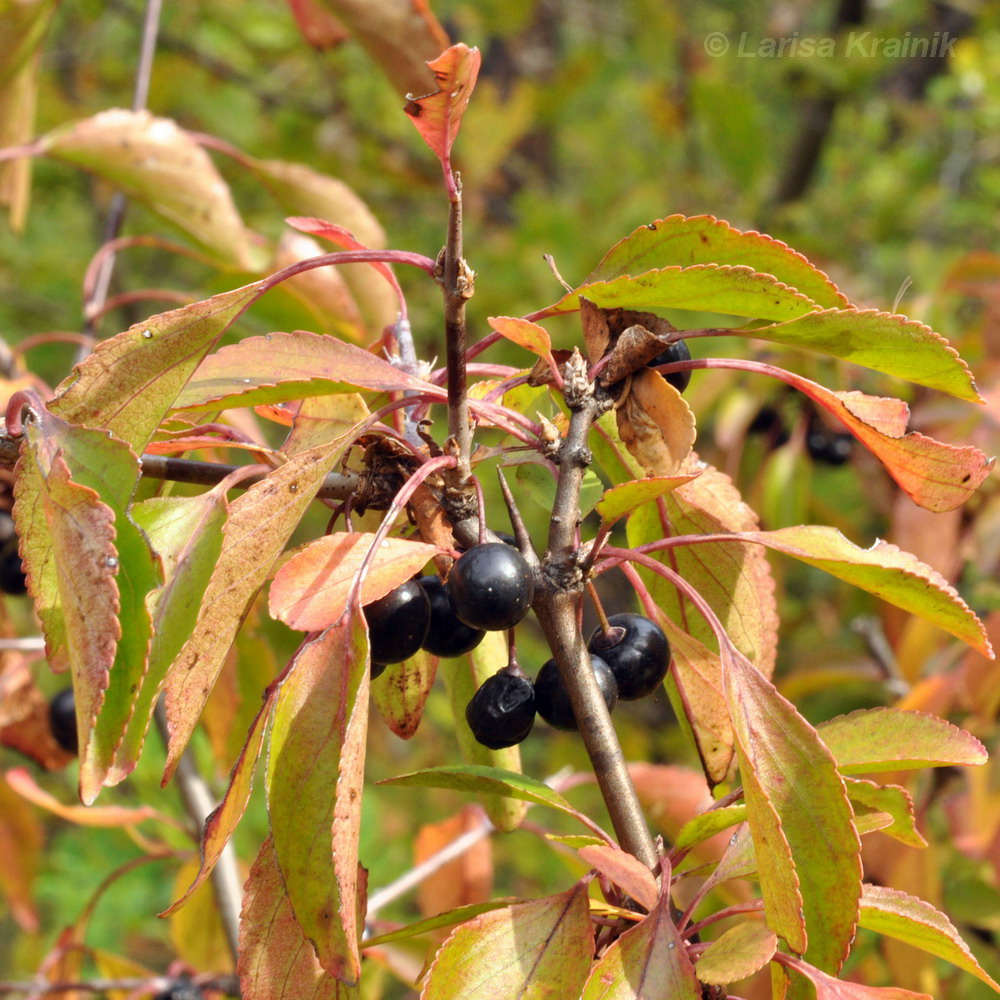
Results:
[655, 424]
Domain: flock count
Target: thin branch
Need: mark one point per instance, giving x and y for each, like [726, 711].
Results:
[227, 984]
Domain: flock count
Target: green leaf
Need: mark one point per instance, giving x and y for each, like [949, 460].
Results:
[737, 954]
[130, 381]
[786, 769]
[315, 775]
[624, 498]
[906, 918]
[260, 523]
[885, 342]
[703, 239]
[159, 165]
[708, 824]
[457, 916]
[401, 692]
[533, 951]
[276, 962]
[890, 801]
[717, 288]
[883, 570]
[890, 739]
[649, 960]
[463, 676]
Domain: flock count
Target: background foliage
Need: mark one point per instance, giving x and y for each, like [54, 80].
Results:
[589, 120]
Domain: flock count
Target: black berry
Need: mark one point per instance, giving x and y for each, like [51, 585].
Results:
[397, 623]
[491, 587]
[552, 699]
[378, 669]
[182, 989]
[677, 351]
[828, 447]
[62, 720]
[637, 652]
[446, 636]
[502, 712]
[12, 580]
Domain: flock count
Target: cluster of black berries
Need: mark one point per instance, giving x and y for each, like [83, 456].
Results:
[489, 589]
[629, 661]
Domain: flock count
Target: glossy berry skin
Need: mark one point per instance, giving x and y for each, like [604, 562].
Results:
[378, 669]
[491, 587]
[397, 623]
[677, 351]
[502, 712]
[552, 699]
[829, 448]
[639, 658]
[446, 636]
[62, 720]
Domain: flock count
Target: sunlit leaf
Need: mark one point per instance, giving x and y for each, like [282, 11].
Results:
[159, 165]
[648, 961]
[531, 950]
[708, 824]
[625, 871]
[789, 775]
[737, 954]
[887, 739]
[276, 960]
[402, 690]
[438, 115]
[530, 336]
[828, 988]
[260, 523]
[656, 424]
[889, 801]
[703, 239]
[623, 498]
[459, 915]
[315, 774]
[310, 590]
[21, 841]
[196, 932]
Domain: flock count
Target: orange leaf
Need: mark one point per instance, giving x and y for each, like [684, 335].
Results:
[310, 591]
[466, 879]
[625, 871]
[655, 424]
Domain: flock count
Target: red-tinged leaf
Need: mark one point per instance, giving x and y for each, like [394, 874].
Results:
[130, 381]
[623, 498]
[530, 336]
[625, 871]
[463, 676]
[223, 820]
[703, 239]
[655, 424]
[889, 801]
[459, 915]
[533, 951]
[401, 692]
[736, 581]
[717, 288]
[883, 570]
[887, 739]
[276, 961]
[310, 590]
[829, 988]
[88, 567]
[648, 962]
[438, 115]
[790, 776]
[21, 840]
[901, 916]
[695, 688]
[159, 165]
[299, 364]
[186, 534]
[463, 881]
[260, 523]
[399, 35]
[934, 475]
[320, 417]
[885, 342]
[315, 774]
[319, 27]
[20, 781]
[739, 860]
[24, 713]
[737, 954]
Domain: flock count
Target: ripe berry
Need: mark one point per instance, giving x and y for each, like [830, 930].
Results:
[677, 351]
[502, 712]
[378, 669]
[446, 636]
[552, 699]
[397, 623]
[491, 587]
[828, 447]
[62, 720]
[182, 989]
[12, 579]
[637, 652]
